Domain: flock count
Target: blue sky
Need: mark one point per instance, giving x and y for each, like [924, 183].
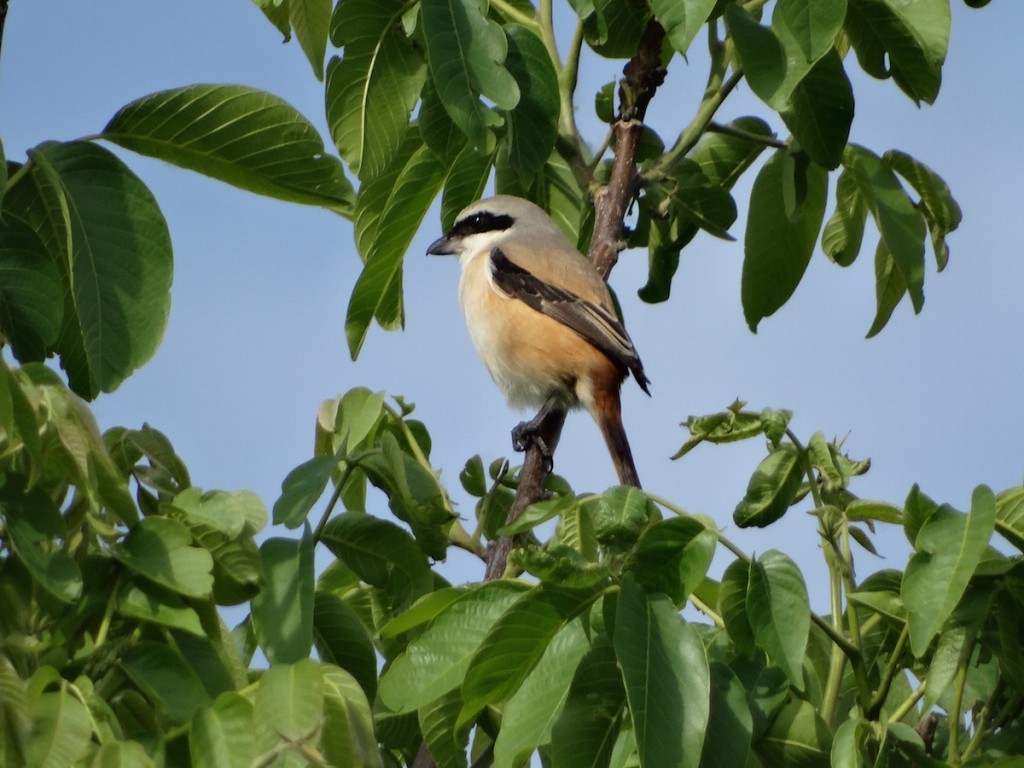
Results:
[256, 335]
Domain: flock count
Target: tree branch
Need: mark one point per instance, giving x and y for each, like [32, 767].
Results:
[641, 77]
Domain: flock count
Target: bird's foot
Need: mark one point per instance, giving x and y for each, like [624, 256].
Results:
[527, 433]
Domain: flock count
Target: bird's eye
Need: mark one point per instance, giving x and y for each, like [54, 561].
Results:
[484, 221]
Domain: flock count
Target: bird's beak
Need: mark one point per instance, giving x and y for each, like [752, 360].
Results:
[443, 246]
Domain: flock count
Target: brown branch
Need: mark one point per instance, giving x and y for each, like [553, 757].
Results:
[641, 77]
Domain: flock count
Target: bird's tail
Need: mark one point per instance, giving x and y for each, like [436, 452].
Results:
[608, 414]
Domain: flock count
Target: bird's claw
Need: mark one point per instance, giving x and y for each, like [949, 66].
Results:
[525, 434]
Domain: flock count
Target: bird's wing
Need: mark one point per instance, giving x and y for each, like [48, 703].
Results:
[594, 324]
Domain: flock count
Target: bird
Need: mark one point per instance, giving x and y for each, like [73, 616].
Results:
[542, 320]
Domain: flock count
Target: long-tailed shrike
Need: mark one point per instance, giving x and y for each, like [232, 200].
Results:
[542, 319]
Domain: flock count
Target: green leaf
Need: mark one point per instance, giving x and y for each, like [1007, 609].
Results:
[779, 612]
[771, 489]
[948, 547]
[15, 714]
[761, 54]
[35, 530]
[166, 679]
[466, 182]
[560, 565]
[371, 89]
[620, 514]
[673, 556]
[813, 25]
[390, 210]
[423, 610]
[348, 737]
[18, 419]
[301, 489]
[282, 612]
[732, 605]
[161, 550]
[532, 711]
[533, 123]
[900, 224]
[585, 733]
[310, 20]
[820, 110]
[341, 639]
[289, 704]
[31, 293]
[665, 671]
[221, 735]
[918, 508]
[146, 601]
[104, 231]
[414, 494]
[614, 28]
[682, 20]
[276, 12]
[890, 288]
[436, 662]
[61, 731]
[798, 737]
[787, 204]
[517, 641]
[238, 135]
[730, 725]
[844, 232]
[937, 203]
[1010, 515]
[121, 754]
[437, 723]
[381, 553]
[701, 202]
[904, 39]
[466, 53]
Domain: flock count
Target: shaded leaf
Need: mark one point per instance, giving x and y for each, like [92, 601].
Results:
[844, 232]
[341, 639]
[787, 204]
[282, 612]
[166, 679]
[60, 732]
[533, 123]
[771, 489]
[381, 553]
[31, 292]
[105, 232]
[820, 110]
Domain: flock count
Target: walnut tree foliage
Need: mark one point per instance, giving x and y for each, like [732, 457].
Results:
[113, 566]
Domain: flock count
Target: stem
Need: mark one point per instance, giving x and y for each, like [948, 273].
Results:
[956, 710]
[108, 614]
[981, 729]
[319, 530]
[739, 133]
[509, 11]
[708, 611]
[891, 668]
[909, 704]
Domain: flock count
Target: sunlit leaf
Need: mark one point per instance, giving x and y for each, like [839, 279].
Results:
[466, 53]
[948, 548]
[310, 20]
[372, 88]
[779, 612]
[814, 25]
[771, 489]
[531, 712]
[682, 20]
[436, 661]
[60, 732]
[222, 734]
[239, 135]
[161, 550]
[665, 671]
